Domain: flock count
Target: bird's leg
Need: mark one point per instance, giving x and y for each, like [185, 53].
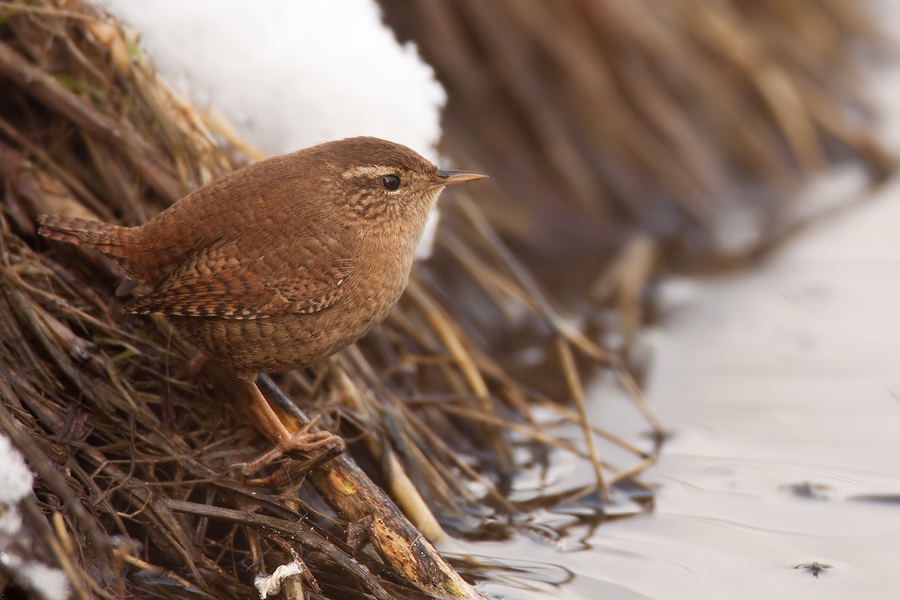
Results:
[304, 440]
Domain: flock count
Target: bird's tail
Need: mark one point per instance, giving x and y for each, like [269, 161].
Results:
[109, 239]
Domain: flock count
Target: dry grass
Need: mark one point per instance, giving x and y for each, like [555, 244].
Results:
[135, 491]
[623, 134]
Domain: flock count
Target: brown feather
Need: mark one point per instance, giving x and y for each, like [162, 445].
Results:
[283, 262]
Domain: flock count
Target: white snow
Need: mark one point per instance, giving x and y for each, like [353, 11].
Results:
[15, 484]
[292, 73]
[15, 478]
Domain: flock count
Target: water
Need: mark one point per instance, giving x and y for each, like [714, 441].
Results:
[781, 388]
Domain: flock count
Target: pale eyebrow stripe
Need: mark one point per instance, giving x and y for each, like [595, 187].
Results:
[367, 170]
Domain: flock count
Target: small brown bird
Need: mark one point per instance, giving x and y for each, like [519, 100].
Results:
[282, 263]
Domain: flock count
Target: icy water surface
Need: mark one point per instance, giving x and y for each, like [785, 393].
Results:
[781, 388]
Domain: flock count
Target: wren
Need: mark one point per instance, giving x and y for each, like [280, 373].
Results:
[284, 262]
[280, 264]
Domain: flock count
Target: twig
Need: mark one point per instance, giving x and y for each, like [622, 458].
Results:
[572, 378]
[294, 531]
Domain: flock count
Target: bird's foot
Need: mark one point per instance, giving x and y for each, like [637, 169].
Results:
[306, 441]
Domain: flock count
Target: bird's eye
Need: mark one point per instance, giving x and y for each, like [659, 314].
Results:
[390, 182]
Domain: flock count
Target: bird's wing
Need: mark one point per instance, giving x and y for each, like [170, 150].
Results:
[239, 281]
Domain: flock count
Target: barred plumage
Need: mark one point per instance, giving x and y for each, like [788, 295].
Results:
[281, 263]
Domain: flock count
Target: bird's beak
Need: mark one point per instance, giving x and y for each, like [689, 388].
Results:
[443, 178]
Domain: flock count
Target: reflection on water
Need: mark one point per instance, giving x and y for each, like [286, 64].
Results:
[781, 387]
